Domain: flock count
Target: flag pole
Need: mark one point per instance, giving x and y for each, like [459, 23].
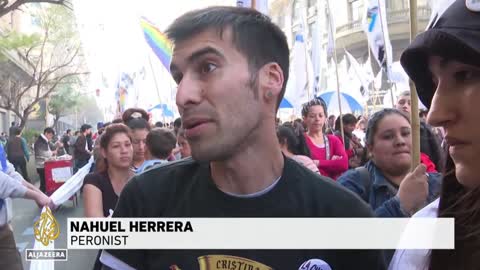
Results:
[415, 118]
[154, 78]
[336, 70]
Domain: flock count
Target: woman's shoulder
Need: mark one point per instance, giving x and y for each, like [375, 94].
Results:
[96, 179]
[333, 139]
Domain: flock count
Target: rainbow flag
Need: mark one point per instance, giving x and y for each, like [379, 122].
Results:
[158, 41]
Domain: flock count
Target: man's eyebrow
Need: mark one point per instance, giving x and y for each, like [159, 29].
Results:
[197, 54]
[207, 50]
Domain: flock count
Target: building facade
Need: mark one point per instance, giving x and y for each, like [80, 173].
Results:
[12, 66]
[348, 16]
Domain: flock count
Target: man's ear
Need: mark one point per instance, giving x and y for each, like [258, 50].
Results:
[270, 82]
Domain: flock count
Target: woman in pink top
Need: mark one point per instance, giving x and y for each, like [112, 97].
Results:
[327, 151]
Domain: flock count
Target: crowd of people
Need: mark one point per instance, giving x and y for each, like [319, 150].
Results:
[220, 159]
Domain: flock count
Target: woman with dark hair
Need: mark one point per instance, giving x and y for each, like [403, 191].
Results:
[293, 146]
[353, 147]
[444, 63]
[326, 151]
[102, 189]
[385, 182]
[140, 128]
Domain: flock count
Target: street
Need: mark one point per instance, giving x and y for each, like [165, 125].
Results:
[26, 213]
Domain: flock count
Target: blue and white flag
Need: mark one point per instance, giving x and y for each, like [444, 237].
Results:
[376, 28]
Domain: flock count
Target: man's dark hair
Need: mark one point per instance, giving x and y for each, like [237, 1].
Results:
[160, 142]
[49, 130]
[16, 131]
[159, 124]
[177, 123]
[68, 131]
[254, 36]
[85, 127]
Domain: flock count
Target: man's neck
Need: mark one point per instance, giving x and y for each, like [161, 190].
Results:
[252, 169]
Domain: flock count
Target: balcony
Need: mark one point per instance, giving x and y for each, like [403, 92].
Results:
[352, 37]
[394, 17]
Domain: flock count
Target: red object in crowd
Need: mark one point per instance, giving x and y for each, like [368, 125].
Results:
[54, 180]
[425, 160]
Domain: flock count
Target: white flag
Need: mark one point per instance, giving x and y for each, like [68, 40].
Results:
[300, 83]
[331, 33]
[360, 74]
[376, 28]
[317, 52]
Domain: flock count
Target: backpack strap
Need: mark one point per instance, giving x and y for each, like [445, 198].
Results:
[366, 181]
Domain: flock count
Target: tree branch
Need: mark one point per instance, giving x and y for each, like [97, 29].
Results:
[4, 9]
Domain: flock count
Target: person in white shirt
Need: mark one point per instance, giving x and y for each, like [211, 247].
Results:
[12, 185]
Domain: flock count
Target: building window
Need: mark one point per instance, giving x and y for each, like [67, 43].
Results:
[396, 4]
[357, 10]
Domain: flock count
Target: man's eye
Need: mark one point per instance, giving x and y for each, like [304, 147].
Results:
[464, 75]
[207, 68]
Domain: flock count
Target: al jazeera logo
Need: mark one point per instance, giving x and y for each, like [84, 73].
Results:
[46, 230]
